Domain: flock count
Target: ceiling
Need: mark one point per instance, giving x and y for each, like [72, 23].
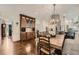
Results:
[39, 11]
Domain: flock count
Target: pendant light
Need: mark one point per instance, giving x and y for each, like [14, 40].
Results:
[52, 21]
[54, 9]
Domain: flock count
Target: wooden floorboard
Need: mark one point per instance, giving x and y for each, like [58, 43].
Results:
[8, 47]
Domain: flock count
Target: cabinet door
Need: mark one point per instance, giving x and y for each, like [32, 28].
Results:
[23, 36]
[23, 22]
[30, 35]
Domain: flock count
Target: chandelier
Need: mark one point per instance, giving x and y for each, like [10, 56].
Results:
[54, 16]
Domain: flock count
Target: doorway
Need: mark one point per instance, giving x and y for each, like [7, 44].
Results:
[10, 29]
[3, 32]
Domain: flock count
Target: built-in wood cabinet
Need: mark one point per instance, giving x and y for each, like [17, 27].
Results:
[27, 27]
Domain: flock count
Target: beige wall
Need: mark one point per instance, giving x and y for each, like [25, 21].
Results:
[15, 28]
[12, 12]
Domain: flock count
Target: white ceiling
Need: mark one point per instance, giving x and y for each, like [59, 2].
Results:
[39, 11]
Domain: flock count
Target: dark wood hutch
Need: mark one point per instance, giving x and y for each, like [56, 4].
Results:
[27, 27]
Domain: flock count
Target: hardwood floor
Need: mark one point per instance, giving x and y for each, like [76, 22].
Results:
[8, 47]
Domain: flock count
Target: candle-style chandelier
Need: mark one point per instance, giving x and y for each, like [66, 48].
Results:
[54, 16]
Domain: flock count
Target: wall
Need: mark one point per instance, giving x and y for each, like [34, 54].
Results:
[11, 12]
[41, 12]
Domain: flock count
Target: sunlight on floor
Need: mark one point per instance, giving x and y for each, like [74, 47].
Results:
[28, 48]
[7, 46]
